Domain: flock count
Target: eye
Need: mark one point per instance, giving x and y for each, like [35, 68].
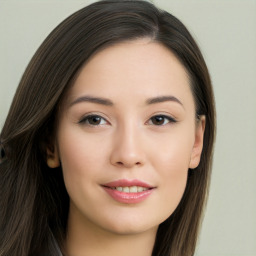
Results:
[93, 120]
[161, 120]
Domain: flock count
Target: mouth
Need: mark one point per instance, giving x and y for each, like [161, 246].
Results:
[128, 192]
[132, 189]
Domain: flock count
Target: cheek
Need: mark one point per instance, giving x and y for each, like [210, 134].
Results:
[173, 153]
[80, 159]
[172, 163]
[174, 171]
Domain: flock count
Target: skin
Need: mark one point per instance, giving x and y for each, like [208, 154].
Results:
[126, 143]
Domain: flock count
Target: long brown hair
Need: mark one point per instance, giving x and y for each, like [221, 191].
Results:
[34, 202]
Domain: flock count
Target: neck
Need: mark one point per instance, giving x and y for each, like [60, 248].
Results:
[86, 239]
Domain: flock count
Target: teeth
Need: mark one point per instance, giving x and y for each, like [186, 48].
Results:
[126, 189]
[133, 189]
[139, 189]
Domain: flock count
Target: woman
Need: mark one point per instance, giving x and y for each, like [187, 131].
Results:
[107, 147]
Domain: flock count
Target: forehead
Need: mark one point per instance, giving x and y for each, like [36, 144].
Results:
[139, 68]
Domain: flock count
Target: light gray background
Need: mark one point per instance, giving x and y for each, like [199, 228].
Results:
[226, 33]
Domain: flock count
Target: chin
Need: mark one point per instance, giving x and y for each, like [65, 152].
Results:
[130, 226]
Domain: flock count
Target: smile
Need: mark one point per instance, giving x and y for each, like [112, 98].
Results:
[128, 192]
[133, 189]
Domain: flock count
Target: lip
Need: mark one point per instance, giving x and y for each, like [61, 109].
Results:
[128, 198]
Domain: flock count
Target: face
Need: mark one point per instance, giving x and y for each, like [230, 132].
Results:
[126, 136]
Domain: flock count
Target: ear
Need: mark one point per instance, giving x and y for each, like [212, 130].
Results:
[198, 144]
[52, 156]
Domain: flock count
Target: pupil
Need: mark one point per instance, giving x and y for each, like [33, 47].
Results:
[158, 120]
[94, 120]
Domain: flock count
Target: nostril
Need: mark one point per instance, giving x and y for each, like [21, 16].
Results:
[128, 164]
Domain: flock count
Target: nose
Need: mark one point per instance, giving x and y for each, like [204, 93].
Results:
[127, 150]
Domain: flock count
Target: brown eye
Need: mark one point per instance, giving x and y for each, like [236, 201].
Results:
[161, 120]
[93, 120]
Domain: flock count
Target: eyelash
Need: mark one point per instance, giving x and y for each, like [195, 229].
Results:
[85, 120]
[165, 118]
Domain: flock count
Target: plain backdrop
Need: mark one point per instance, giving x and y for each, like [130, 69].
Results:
[226, 32]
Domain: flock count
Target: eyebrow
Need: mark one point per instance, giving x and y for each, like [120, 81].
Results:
[107, 102]
[163, 99]
[101, 101]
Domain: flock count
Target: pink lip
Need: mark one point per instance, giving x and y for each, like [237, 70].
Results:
[128, 198]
